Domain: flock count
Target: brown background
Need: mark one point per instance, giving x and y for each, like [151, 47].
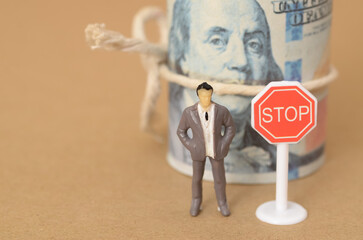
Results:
[74, 165]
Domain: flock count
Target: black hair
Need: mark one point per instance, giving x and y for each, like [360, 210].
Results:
[205, 86]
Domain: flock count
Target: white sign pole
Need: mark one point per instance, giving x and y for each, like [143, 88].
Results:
[282, 170]
[280, 211]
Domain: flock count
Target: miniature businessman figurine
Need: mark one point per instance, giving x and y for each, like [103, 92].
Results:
[206, 119]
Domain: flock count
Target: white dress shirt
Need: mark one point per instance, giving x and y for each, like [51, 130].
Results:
[208, 129]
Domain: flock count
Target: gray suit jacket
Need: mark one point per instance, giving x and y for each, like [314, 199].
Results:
[196, 145]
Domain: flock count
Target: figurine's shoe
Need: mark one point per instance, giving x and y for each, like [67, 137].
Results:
[195, 207]
[224, 210]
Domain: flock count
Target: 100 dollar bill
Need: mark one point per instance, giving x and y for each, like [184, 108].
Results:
[248, 42]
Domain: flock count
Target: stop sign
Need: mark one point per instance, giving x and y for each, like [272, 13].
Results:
[284, 112]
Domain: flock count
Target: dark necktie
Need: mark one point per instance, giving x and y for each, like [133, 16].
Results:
[206, 116]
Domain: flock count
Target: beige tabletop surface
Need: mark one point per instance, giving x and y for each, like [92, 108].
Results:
[74, 164]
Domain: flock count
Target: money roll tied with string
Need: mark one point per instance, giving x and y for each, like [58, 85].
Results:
[248, 42]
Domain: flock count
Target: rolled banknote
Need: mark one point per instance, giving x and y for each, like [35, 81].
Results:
[250, 42]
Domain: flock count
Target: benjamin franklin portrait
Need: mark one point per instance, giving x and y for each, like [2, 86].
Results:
[229, 42]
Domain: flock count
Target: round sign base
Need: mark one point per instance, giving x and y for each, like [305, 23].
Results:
[268, 213]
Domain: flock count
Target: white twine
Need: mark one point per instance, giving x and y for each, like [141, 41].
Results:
[154, 56]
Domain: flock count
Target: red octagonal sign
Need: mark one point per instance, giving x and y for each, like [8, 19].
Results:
[284, 112]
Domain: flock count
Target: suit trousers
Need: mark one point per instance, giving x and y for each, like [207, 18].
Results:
[218, 176]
